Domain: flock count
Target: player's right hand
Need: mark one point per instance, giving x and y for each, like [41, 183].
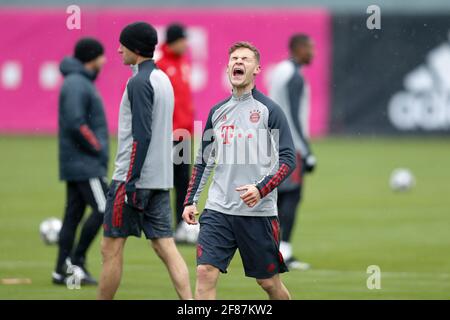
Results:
[189, 214]
[136, 198]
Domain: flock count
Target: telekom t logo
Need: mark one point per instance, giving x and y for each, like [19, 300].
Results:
[227, 133]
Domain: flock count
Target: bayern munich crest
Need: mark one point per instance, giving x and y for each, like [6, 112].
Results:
[255, 115]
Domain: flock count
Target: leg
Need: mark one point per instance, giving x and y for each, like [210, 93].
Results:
[112, 254]
[87, 236]
[207, 276]
[157, 227]
[215, 250]
[274, 288]
[93, 193]
[287, 208]
[165, 248]
[258, 243]
[184, 233]
[288, 203]
[75, 207]
[181, 181]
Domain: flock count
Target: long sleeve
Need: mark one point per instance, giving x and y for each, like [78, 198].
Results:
[204, 164]
[74, 113]
[141, 96]
[296, 90]
[281, 136]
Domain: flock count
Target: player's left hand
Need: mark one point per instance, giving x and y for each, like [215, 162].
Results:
[251, 196]
[189, 214]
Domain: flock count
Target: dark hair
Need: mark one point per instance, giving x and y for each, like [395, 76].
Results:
[88, 49]
[174, 32]
[298, 39]
[247, 45]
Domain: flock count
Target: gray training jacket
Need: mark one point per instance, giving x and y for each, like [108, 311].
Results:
[246, 140]
[289, 89]
[144, 156]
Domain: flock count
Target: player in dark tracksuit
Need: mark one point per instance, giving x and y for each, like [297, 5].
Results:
[248, 143]
[290, 90]
[83, 157]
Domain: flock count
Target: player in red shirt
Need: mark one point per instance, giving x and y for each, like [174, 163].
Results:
[175, 64]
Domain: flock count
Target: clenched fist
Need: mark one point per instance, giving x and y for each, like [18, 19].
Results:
[190, 213]
[251, 196]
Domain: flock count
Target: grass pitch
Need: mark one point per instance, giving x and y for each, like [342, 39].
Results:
[349, 220]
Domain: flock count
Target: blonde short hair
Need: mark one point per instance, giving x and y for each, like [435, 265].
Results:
[247, 45]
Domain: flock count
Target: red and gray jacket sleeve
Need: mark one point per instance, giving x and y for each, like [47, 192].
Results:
[204, 163]
[141, 97]
[282, 138]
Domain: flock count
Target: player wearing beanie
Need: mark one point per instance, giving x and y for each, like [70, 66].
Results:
[138, 199]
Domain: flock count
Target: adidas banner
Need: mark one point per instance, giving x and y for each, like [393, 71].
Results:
[392, 80]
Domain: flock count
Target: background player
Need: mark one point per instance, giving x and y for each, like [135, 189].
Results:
[174, 63]
[83, 156]
[290, 90]
[139, 198]
[241, 210]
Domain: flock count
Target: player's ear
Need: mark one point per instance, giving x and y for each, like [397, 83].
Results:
[257, 70]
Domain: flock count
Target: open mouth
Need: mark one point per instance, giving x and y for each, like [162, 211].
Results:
[238, 71]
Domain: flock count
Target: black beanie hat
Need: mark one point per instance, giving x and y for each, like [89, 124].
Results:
[174, 32]
[88, 49]
[139, 37]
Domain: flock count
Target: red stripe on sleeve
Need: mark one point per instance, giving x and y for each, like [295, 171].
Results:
[275, 180]
[132, 159]
[90, 137]
[191, 185]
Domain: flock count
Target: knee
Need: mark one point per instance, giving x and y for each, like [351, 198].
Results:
[267, 284]
[110, 250]
[159, 248]
[206, 273]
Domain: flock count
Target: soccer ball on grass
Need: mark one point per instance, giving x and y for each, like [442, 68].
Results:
[402, 180]
[49, 230]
